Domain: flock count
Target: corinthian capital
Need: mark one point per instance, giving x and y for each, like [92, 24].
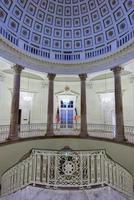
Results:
[17, 68]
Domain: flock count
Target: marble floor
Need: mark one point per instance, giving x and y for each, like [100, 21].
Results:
[34, 193]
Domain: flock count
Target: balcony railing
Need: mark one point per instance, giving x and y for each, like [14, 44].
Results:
[46, 54]
[67, 169]
[94, 130]
[101, 130]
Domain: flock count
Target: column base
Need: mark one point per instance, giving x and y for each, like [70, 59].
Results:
[120, 138]
[49, 133]
[83, 134]
[12, 137]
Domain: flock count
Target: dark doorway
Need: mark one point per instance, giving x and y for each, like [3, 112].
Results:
[19, 119]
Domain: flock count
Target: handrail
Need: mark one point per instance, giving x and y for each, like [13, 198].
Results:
[67, 169]
[94, 130]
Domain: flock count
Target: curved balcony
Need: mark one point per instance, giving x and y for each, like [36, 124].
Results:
[66, 57]
[67, 169]
[94, 130]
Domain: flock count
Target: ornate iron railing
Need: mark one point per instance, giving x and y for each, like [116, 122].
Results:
[67, 169]
[101, 130]
[94, 130]
[4, 132]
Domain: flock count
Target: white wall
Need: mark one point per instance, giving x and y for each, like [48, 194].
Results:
[95, 110]
[5, 100]
[39, 103]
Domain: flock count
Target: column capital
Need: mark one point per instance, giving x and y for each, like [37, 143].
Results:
[83, 77]
[17, 68]
[117, 69]
[51, 76]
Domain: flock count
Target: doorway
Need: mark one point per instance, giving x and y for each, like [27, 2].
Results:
[19, 119]
[66, 113]
[26, 99]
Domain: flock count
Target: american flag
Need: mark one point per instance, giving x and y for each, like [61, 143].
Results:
[57, 116]
[76, 117]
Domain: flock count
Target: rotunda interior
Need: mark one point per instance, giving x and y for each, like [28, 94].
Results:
[66, 99]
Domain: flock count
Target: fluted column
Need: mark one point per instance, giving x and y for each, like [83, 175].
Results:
[50, 105]
[83, 129]
[118, 104]
[13, 132]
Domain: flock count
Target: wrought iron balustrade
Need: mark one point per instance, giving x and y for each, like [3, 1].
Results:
[67, 169]
[66, 129]
[94, 130]
[32, 130]
[101, 130]
[4, 131]
[4, 128]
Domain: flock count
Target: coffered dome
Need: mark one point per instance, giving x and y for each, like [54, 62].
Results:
[67, 30]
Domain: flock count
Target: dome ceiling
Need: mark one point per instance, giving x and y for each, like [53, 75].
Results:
[69, 30]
